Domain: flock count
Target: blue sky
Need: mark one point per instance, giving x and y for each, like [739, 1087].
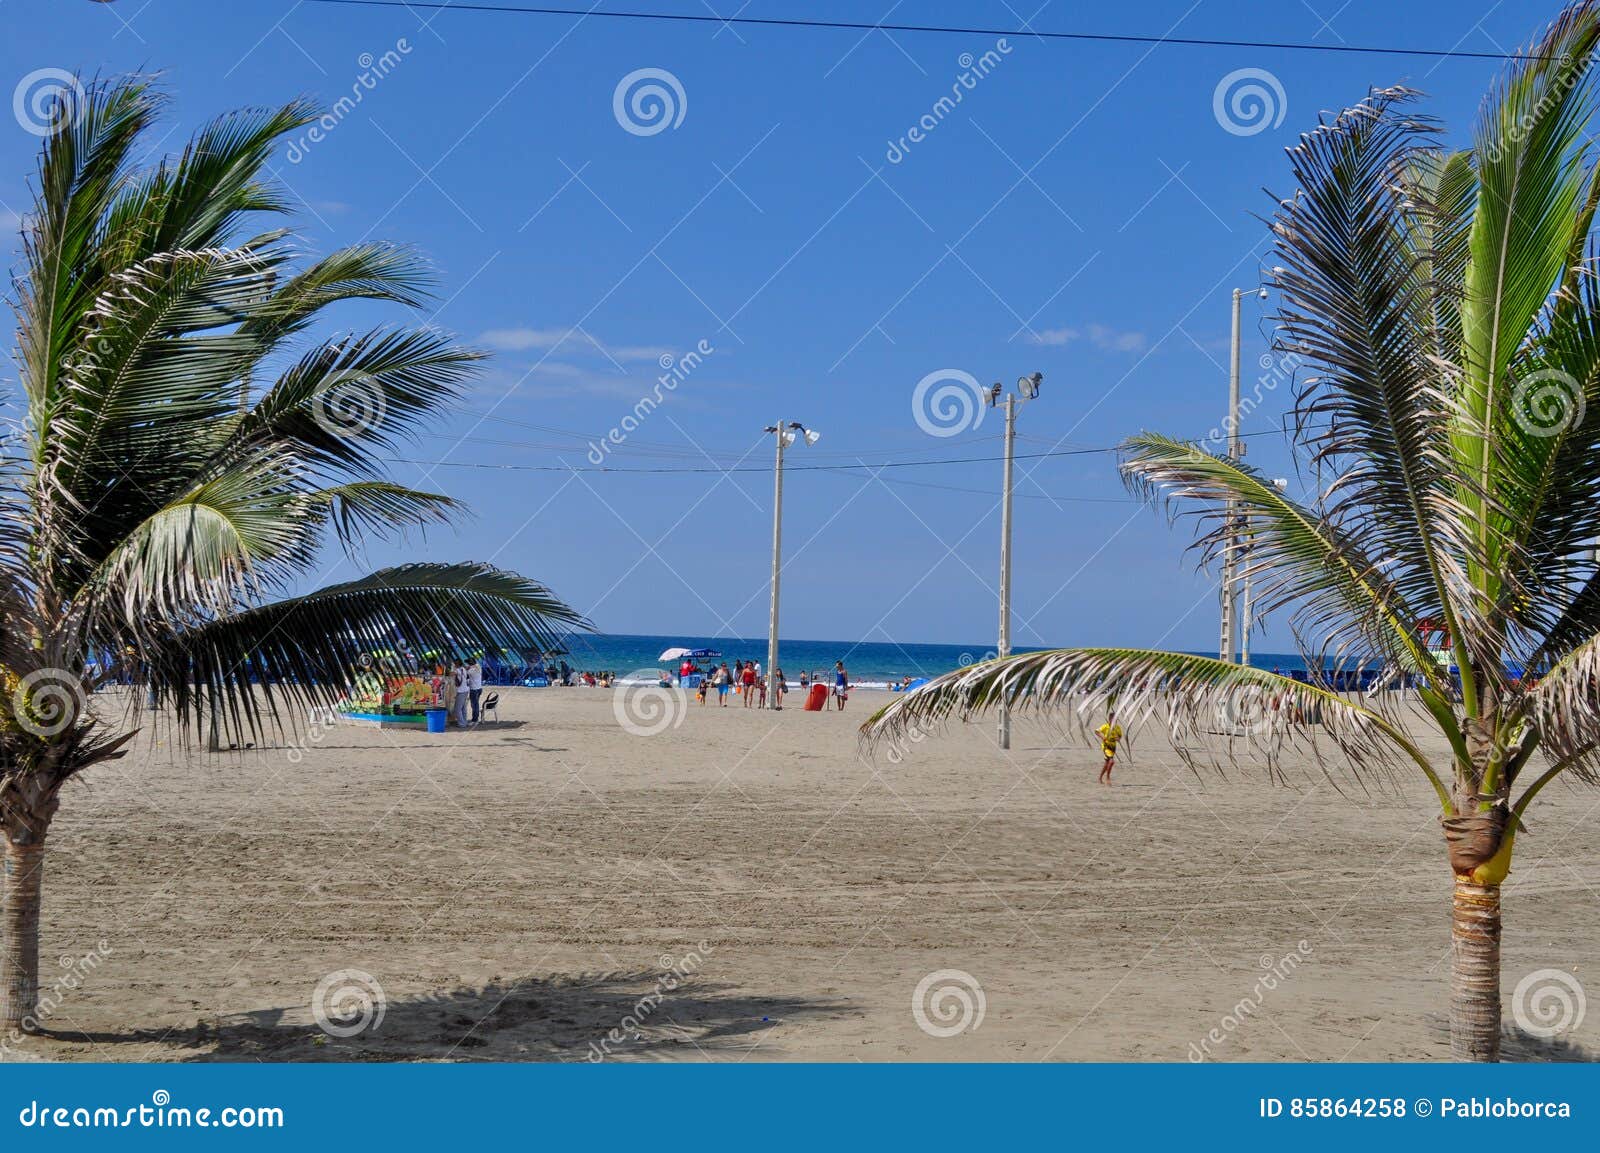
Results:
[1083, 212]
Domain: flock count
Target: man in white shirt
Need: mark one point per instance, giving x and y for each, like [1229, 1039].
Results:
[475, 686]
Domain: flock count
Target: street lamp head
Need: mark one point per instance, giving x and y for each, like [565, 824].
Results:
[812, 436]
[1028, 386]
[770, 428]
[994, 393]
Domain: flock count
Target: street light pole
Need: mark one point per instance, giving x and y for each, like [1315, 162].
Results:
[1247, 612]
[1003, 648]
[1027, 389]
[774, 693]
[1230, 552]
[785, 435]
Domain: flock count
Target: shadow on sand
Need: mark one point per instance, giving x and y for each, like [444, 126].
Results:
[1516, 1045]
[561, 1019]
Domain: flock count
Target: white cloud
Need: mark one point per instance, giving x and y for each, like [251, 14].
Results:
[1111, 340]
[570, 340]
[1103, 337]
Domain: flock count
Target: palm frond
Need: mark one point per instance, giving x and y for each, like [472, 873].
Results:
[349, 399]
[1296, 557]
[81, 169]
[241, 670]
[1374, 408]
[1190, 697]
[1530, 144]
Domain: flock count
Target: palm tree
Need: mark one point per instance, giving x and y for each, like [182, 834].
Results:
[183, 450]
[1446, 308]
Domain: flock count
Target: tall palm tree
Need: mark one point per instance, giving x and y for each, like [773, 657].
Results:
[1446, 307]
[182, 448]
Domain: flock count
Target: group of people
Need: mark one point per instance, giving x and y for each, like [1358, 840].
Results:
[752, 685]
[459, 685]
[563, 674]
[746, 679]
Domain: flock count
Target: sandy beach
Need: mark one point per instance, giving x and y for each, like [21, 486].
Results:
[743, 887]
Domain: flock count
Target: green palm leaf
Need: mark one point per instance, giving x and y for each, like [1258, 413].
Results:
[240, 669]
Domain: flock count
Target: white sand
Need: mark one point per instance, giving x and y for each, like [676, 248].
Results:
[516, 890]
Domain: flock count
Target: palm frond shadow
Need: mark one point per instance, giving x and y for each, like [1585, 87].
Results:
[566, 1018]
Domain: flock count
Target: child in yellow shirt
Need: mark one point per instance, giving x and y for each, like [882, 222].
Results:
[1110, 734]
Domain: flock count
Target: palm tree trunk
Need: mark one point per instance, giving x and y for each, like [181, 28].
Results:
[19, 936]
[1475, 972]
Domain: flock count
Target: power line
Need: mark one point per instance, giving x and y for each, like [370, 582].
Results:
[636, 447]
[766, 469]
[862, 26]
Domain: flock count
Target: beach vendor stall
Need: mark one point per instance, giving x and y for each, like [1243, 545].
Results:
[388, 698]
[686, 663]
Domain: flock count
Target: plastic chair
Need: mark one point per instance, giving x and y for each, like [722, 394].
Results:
[491, 704]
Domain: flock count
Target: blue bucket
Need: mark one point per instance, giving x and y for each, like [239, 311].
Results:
[436, 720]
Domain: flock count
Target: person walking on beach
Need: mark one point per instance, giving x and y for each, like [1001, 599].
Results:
[474, 674]
[841, 685]
[748, 680]
[459, 675]
[724, 680]
[447, 690]
[1110, 735]
[805, 681]
[778, 685]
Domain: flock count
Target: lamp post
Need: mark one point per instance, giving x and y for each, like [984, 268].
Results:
[1236, 451]
[1027, 389]
[1247, 608]
[784, 435]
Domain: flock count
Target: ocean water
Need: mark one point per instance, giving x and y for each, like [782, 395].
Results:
[871, 664]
